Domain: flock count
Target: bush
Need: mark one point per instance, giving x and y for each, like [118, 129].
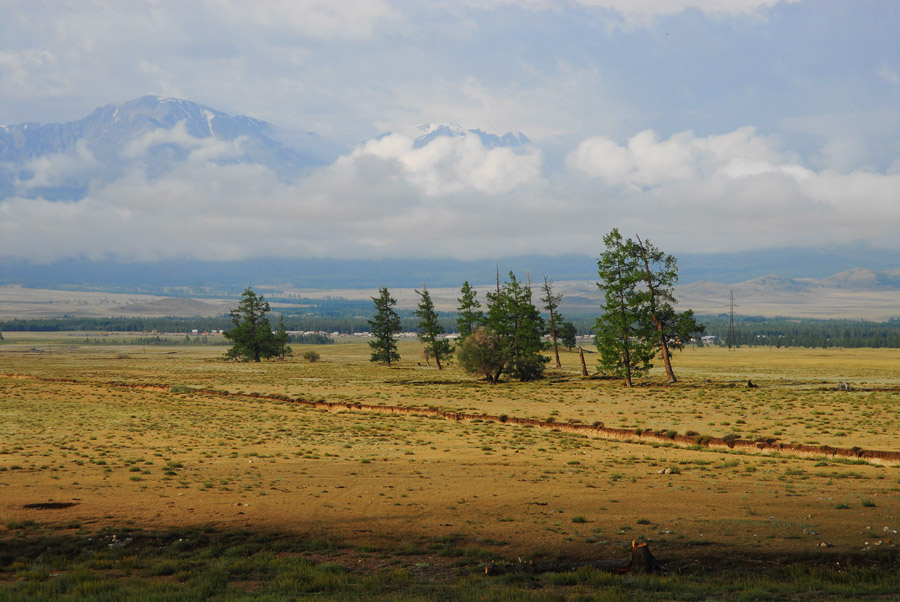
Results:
[311, 356]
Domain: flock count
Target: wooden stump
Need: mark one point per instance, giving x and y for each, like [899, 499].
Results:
[642, 561]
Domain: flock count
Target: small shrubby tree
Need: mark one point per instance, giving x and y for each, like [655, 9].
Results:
[430, 329]
[384, 325]
[251, 333]
[483, 353]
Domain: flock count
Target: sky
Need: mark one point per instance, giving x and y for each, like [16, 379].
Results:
[703, 125]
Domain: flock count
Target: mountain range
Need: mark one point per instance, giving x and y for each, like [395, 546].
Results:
[153, 135]
[157, 134]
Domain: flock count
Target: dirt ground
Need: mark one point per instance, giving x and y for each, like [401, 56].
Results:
[117, 436]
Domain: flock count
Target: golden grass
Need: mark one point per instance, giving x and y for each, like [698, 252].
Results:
[103, 427]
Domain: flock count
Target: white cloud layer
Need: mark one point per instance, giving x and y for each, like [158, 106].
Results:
[639, 110]
[455, 197]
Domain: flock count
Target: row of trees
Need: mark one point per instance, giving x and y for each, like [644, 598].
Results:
[504, 339]
[639, 321]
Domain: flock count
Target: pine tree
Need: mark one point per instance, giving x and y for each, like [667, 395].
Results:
[468, 315]
[624, 332]
[430, 329]
[251, 334]
[384, 325]
[518, 324]
[567, 334]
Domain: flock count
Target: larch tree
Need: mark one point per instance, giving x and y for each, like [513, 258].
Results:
[384, 325]
[624, 332]
[659, 275]
[551, 303]
[468, 314]
[430, 329]
[251, 333]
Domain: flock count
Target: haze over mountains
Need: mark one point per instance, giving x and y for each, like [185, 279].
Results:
[127, 156]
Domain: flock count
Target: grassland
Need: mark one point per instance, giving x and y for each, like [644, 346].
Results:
[161, 473]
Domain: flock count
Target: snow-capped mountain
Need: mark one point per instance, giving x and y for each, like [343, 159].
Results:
[432, 131]
[58, 161]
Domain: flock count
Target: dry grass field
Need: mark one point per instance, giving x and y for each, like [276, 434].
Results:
[108, 441]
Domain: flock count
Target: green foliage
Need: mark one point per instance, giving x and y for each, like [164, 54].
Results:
[251, 333]
[281, 340]
[624, 333]
[567, 334]
[519, 326]
[483, 353]
[430, 329]
[468, 315]
[383, 326]
[551, 303]
[311, 356]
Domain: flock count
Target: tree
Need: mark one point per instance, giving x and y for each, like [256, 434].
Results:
[282, 349]
[468, 315]
[679, 328]
[567, 334]
[659, 275]
[623, 337]
[430, 329]
[251, 334]
[483, 353]
[519, 326]
[551, 302]
[384, 325]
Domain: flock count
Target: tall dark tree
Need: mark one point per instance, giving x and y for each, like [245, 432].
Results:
[282, 349]
[551, 302]
[659, 275]
[567, 334]
[624, 332]
[251, 333]
[430, 329]
[519, 326]
[384, 325]
[468, 315]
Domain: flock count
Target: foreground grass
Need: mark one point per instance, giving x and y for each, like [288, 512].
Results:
[110, 457]
[205, 564]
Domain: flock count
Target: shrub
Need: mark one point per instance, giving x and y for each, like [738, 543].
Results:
[311, 356]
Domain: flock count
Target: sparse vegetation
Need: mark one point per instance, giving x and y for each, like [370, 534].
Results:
[170, 435]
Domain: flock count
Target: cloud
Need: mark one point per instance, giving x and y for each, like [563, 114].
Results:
[737, 191]
[320, 19]
[453, 164]
[641, 11]
[454, 197]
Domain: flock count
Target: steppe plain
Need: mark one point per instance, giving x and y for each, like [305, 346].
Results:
[108, 443]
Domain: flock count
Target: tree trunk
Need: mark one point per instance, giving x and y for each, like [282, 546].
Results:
[584, 371]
